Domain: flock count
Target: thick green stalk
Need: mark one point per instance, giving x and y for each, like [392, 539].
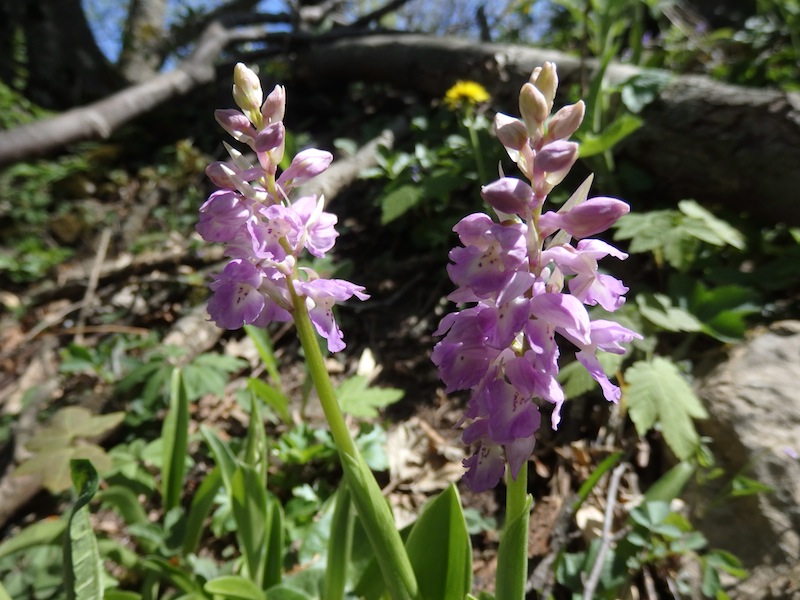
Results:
[512, 556]
[370, 505]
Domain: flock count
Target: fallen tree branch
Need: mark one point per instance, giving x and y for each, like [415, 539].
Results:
[723, 144]
[100, 119]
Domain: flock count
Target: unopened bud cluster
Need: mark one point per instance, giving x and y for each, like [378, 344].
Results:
[264, 226]
[524, 282]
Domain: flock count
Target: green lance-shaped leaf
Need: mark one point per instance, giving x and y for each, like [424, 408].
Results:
[38, 534]
[249, 507]
[263, 344]
[588, 485]
[83, 568]
[657, 393]
[379, 525]
[234, 587]
[256, 450]
[223, 455]
[440, 550]
[175, 434]
[273, 567]
[340, 545]
[199, 509]
[670, 484]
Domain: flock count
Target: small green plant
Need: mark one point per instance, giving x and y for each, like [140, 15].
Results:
[66, 437]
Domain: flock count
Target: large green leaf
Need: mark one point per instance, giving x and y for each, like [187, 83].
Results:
[83, 567]
[175, 434]
[658, 393]
[440, 550]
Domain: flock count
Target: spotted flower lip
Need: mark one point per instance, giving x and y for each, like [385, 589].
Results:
[526, 288]
[264, 227]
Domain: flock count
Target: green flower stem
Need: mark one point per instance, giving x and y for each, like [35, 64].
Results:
[476, 144]
[372, 508]
[512, 556]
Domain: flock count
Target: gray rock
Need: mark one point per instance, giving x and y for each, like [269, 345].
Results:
[753, 398]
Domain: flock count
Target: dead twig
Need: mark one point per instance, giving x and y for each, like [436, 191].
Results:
[607, 538]
[91, 285]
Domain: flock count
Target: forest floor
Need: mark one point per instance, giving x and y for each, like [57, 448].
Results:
[106, 291]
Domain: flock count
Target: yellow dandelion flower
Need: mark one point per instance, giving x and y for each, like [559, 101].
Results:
[465, 93]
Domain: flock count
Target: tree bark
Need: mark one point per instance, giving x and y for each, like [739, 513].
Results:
[64, 65]
[143, 40]
[100, 119]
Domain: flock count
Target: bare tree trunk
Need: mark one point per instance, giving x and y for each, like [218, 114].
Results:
[65, 67]
[143, 40]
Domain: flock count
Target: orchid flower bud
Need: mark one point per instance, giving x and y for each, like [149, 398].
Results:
[546, 81]
[305, 165]
[274, 106]
[532, 107]
[565, 122]
[508, 195]
[512, 134]
[554, 161]
[236, 124]
[585, 219]
[269, 138]
[247, 91]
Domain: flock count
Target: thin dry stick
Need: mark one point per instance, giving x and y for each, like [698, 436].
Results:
[607, 539]
[91, 286]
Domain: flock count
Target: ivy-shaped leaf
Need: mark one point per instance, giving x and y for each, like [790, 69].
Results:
[64, 439]
[357, 398]
[657, 393]
[659, 310]
[708, 228]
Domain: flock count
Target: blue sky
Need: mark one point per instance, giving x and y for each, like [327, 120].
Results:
[106, 17]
